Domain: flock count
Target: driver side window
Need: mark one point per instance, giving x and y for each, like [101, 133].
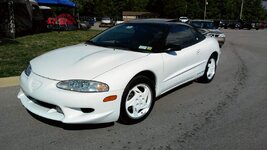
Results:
[180, 35]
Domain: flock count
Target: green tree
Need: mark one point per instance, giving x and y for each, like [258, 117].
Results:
[195, 9]
[174, 8]
[253, 10]
[156, 6]
[216, 9]
[136, 5]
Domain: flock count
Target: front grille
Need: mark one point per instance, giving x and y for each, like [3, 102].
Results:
[46, 105]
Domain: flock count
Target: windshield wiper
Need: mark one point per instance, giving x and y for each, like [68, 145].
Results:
[113, 44]
[116, 45]
[93, 43]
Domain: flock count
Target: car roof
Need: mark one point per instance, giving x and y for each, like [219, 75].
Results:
[158, 21]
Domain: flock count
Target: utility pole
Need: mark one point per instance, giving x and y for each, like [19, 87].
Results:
[11, 23]
[205, 9]
[241, 10]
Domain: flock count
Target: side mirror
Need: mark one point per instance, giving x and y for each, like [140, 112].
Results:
[172, 47]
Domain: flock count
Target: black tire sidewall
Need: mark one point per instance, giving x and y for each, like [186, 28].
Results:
[124, 118]
[204, 78]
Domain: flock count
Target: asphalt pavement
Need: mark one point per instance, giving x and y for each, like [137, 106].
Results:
[227, 114]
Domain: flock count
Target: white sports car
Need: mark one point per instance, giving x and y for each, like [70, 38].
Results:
[116, 75]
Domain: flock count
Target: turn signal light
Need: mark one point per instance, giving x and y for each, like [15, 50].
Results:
[110, 98]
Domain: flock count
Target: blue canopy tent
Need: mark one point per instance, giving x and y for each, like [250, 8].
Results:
[67, 3]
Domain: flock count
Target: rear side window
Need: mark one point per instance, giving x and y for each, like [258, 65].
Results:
[199, 36]
[182, 36]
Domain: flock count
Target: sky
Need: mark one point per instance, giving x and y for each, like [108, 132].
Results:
[264, 3]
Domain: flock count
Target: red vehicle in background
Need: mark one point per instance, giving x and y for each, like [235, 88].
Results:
[63, 21]
[260, 25]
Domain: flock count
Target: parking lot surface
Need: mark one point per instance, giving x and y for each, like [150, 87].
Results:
[228, 114]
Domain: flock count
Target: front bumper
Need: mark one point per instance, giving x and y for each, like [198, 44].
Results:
[40, 96]
[106, 25]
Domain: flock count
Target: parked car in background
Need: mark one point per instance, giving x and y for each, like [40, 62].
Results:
[241, 24]
[118, 22]
[207, 28]
[84, 25]
[223, 24]
[232, 24]
[262, 25]
[257, 25]
[106, 22]
[117, 74]
[183, 19]
[245, 24]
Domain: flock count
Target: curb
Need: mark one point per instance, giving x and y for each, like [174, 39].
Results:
[9, 81]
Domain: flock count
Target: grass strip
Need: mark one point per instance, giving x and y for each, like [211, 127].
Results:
[15, 56]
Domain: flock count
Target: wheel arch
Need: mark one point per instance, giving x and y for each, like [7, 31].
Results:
[149, 74]
[216, 56]
[135, 80]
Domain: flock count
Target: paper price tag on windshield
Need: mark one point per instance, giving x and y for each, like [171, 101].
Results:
[145, 47]
[142, 47]
[149, 48]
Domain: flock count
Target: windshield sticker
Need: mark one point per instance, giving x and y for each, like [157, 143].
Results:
[149, 48]
[145, 47]
[129, 27]
[142, 47]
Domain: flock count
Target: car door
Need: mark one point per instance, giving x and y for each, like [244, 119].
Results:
[181, 65]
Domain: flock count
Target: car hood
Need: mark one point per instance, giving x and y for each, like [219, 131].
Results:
[81, 61]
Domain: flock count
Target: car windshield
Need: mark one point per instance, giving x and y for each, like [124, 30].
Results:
[203, 24]
[106, 18]
[140, 37]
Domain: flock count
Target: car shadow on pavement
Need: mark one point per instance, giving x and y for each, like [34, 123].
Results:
[71, 126]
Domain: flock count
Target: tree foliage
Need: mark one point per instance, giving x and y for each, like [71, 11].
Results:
[216, 9]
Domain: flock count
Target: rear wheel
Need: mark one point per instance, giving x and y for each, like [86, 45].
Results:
[137, 100]
[210, 70]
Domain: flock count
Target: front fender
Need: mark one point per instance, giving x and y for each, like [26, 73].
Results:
[119, 77]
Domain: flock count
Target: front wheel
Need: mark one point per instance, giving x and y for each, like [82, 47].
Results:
[137, 100]
[210, 70]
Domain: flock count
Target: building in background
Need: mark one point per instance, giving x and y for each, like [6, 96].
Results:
[130, 15]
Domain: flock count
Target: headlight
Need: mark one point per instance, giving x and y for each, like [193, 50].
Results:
[222, 35]
[28, 70]
[83, 86]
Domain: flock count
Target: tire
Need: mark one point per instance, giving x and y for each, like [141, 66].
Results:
[210, 70]
[137, 100]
